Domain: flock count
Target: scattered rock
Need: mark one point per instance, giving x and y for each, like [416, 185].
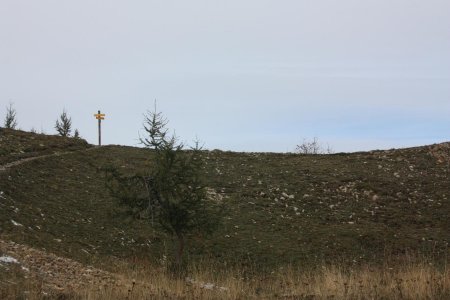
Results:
[16, 224]
[8, 259]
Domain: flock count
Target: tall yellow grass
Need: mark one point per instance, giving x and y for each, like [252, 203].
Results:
[402, 281]
[406, 281]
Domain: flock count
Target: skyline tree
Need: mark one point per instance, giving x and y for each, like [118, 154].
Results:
[63, 125]
[11, 117]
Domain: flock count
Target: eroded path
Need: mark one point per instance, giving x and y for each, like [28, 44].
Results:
[28, 159]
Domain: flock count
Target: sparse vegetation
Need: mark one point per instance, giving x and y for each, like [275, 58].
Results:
[63, 125]
[286, 214]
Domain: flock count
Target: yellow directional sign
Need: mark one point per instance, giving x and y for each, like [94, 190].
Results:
[99, 116]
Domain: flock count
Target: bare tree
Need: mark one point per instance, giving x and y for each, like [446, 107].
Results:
[10, 119]
[312, 147]
[329, 150]
[309, 147]
[64, 124]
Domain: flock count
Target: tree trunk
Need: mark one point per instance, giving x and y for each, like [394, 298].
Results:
[180, 250]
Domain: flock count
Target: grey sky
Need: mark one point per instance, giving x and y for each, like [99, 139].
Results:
[249, 75]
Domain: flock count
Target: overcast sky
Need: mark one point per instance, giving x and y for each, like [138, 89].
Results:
[247, 75]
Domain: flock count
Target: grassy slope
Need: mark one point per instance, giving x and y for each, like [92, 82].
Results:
[344, 206]
[16, 144]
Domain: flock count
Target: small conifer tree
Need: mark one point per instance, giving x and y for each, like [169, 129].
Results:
[10, 119]
[64, 124]
[173, 191]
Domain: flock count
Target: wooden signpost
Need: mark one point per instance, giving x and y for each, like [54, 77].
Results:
[99, 117]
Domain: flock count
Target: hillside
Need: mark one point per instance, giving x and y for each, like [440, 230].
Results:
[281, 208]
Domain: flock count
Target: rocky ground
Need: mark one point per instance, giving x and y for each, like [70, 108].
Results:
[54, 272]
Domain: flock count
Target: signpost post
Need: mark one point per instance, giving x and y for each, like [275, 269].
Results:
[99, 117]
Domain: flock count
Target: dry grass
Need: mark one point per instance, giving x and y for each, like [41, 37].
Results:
[403, 281]
[408, 281]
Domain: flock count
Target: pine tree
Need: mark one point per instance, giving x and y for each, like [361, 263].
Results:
[64, 124]
[10, 119]
[173, 191]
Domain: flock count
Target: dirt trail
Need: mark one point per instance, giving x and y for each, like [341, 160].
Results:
[28, 159]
